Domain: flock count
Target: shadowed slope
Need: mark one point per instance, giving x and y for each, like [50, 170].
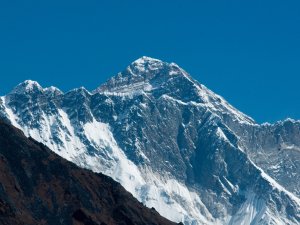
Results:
[39, 187]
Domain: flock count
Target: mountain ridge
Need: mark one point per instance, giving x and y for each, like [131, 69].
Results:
[142, 61]
[176, 146]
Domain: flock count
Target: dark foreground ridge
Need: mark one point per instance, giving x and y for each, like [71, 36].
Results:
[39, 187]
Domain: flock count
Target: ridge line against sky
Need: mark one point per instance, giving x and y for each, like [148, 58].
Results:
[247, 52]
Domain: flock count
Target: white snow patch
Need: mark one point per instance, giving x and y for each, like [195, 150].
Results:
[221, 134]
[11, 116]
[30, 84]
[145, 59]
[121, 168]
[173, 200]
[251, 212]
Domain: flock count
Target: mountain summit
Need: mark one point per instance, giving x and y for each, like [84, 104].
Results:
[162, 79]
[173, 143]
[27, 86]
[144, 74]
[30, 86]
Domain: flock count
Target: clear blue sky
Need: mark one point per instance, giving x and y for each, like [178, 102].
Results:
[247, 51]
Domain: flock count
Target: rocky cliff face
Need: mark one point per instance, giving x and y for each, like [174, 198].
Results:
[275, 148]
[39, 187]
[171, 142]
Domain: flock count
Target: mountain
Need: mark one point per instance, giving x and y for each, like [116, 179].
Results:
[39, 187]
[171, 142]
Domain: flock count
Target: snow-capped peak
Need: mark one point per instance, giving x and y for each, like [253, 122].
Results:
[146, 59]
[27, 86]
[286, 121]
[144, 64]
[140, 75]
[30, 86]
[52, 89]
[82, 90]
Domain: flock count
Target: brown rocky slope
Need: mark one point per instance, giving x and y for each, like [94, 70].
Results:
[39, 187]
